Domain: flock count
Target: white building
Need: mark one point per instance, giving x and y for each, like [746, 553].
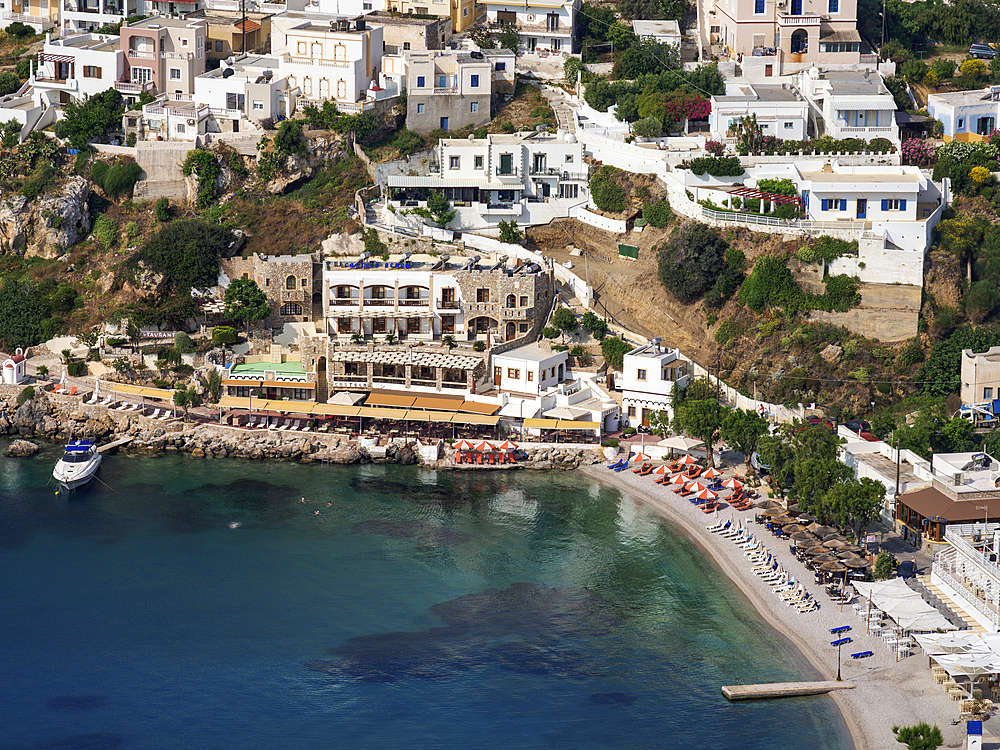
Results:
[330, 60]
[447, 90]
[663, 32]
[966, 115]
[80, 66]
[81, 16]
[530, 178]
[650, 375]
[877, 460]
[781, 111]
[529, 370]
[252, 85]
[541, 26]
[14, 368]
[850, 104]
[980, 376]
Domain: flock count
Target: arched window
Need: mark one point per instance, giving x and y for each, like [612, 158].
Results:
[290, 282]
[511, 300]
[291, 308]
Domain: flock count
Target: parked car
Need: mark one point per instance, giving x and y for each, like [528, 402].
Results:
[982, 51]
[906, 569]
[858, 426]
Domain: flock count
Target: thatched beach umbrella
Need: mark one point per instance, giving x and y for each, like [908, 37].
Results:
[816, 551]
[802, 537]
[807, 518]
[834, 543]
[782, 520]
[825, 557]
[833, 567]
[852, 548]
[774, 510]
[822, 531]
[846, 554]
[794, 528]
[857, 563]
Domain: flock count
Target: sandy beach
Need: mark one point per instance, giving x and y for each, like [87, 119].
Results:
[886, 693]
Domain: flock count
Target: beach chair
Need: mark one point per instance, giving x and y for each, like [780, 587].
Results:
[155, 414]
[492, 458]
[716, 527]
[617, 464]
[108, 399]
[862, 654]
[733, 531]
[711, 507]
[621, 468]
[92, 399]
[479, 458]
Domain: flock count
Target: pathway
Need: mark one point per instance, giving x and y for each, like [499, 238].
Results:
[561, 106]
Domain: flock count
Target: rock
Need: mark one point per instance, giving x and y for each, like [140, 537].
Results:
[198, 453]
[21, 449]
[407, 456]
[150, 280]
[48, 225]
[832, 354]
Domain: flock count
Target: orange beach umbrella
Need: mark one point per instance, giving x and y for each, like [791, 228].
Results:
[661, 469]
[712, 473]
[707, 494]
[640, 457]
[485, 447]
[507, 445]
[733, 484]
[686, 459]
[464, 445]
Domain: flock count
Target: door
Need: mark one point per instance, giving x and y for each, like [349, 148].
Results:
[546, 189]
[444, 123]
[511, 331]
[236, 126]
[862, 208]
[496, 376]
[796, 7]
[532, 43]
[645, 417]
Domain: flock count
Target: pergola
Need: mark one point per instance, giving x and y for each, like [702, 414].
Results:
[750, 193]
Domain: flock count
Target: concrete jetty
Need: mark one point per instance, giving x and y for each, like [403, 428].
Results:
[117, 443]
[781, 689]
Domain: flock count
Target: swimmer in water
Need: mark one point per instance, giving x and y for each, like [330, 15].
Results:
[316, 513]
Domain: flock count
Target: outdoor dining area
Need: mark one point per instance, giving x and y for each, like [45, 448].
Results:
[896, 613]
[967, 667]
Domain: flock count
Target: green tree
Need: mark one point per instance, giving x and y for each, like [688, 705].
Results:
[598, 327]
[779, 456]
[186, 397]
[26, 317]
[509, 232]
[508, 38]
[981, 301]
[605, 190]
[212, 383]
[183, 343]
[855, 504]
[691, 260]
[703, 419]
[440, 209]
[919, 737]
[247, 302]
[648, 127]
[885, 566]
[162, 209]
[817, 466]
[614, 351]
[9, 83]
[188, 251]
[743, 429]
[224, 335]
[94, 118]
[289, 140]
[564, 320]
[134, 334]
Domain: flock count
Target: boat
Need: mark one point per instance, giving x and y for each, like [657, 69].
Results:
[78, 464]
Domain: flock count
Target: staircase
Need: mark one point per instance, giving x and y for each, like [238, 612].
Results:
[952, 610]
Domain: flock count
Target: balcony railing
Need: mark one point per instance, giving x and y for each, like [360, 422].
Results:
[511, 175]
[446, 89]
[786, 19]
[6, 15]
[967, 596]
[414, 302]
[513, 209]
[123, 87]
[135, 54]
[315, 61]
[448, 304]
[864, 131]
[343, 302]
[177, 55]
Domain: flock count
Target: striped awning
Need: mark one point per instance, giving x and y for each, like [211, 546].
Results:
[866, 104]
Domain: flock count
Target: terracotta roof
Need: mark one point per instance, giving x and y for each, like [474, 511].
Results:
[931, 502]
[250, 25]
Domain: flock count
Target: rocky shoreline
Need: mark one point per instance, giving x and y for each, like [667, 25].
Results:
[65, 418]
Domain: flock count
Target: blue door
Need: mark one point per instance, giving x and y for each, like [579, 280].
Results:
[862, 208]
[796, 7]
[444, 123]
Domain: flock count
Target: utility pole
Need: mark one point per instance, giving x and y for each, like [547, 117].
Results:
[883, 27]
[243, 42]
[718, 374]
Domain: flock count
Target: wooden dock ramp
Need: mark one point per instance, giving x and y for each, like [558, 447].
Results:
[781, 690]
[116, 444]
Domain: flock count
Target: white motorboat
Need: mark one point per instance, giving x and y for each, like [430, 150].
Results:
[78, 464]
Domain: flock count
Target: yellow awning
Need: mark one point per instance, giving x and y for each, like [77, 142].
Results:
[430, 416]
[288, 406]
[336, 410]
[545, 424]
[137, 390]
[252, 383]
[287, 384]
[475, 419]
[565, 424]
[235, 402]
[479, 408]
[389, 399]
[437, 402]
[377, 413]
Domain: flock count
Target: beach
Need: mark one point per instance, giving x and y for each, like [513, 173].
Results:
[887, 693]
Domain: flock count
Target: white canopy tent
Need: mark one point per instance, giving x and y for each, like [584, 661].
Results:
[903, 605]
[935, 644]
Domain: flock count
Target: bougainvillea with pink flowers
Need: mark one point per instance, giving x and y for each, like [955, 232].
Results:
[917, 152]
[715, 148]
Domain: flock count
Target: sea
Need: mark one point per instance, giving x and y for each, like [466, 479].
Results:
[218, 603]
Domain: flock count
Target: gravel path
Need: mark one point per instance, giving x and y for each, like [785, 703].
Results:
[887, 693]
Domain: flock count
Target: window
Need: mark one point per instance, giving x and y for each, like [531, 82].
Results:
[524, 301]
[482, 295]
[242, 391]
[961, 123]
[301, 48]
[218, 45]
[303, 283]
[789, 125]
[235, 101]
[513, 372]
[553, 372]
[366, 6]
[290, 282]
[478, 162]
[443, 82]
[291, 308]
[465, 12]
[640, 374]
[184, 42]
[834, 204]
[523, 328]
[421, 82]
[474, 81]
[511, 301]
[506, 164]
[631, 411]
[568, 190]
[474, 107]
[181, 129]
[501, 66]
[531, 376]
[987, 394]
[894, 204]
[420, 109]
[91, 71]
[258, 105]
[175, 74]
[834, 6]
[758, 7]
[454, 162]
[569, 158]
[406, 45]
[302, 394]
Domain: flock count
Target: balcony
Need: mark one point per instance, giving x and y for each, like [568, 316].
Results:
[177, 55]
[502, 209]
[786, 20]
[446, 89]
[66, 84]
[135, 54]
[135, 89]
[6, 15]
[343, 302]
[414, 302]
[448, 304]
[511, 175]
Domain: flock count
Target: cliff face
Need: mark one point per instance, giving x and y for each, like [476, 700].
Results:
[48, 225]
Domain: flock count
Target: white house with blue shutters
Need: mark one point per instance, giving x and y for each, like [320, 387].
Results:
[870, 194]
[966, 115]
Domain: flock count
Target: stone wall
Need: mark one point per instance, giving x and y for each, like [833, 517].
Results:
[271, 274]
[536, 287]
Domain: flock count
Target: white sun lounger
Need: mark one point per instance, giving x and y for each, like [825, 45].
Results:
[155, 414]
[166, 415]
[108, 399]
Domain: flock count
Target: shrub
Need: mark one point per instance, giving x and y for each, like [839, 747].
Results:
[94, 118]
[188, 251]
[183, 343]
[717, 166]
[691, 260]
[76, 369]
[224, 335]
[647, 127]
[9, 83]
[25, 395]
[406, 141]
[657, 214]
[571, 69]
[595, 325]
[121, 178]
[605, 191]
[105, 231]
[715, 148]
[289, 139]
[614, 351]
[727, 331]
[162, 209]
[205, 167]
[578, 351]
[973, 68]
[770, 283]
[612, 443]
[97, 173]
[18, 30]
[479, 346]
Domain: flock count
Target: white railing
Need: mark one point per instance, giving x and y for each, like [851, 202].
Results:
[234, 5]
[972, 555]
[310, 62]
[7, 15]
[863, 131]
[231, 114]
[785, 19]
[852, 227]
[137, 55]
[967, 597]
[132, 88]
[177, 55]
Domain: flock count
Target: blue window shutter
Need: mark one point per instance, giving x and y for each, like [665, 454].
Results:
[843, 204]
[885, 204]
[902, 204]
[826, 205]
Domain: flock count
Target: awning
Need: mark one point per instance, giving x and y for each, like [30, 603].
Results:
[850, 35]
[238, 402]
[430, 416]
[475, 419]
[479, 408]
[405, 181]
[544, 424]
[377, 413]
[336, 410]
[237, 382]
[137, 390]
[875, 102]
[246, 26]
[287, 384]
[437, 402]
[566, 412]
[289, 406]
[389, 399]
[566, 425]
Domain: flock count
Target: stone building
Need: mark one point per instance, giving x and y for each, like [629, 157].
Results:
[287, 280]
[402, 33]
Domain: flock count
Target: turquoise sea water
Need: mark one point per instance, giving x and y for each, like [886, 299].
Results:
[417, 610]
